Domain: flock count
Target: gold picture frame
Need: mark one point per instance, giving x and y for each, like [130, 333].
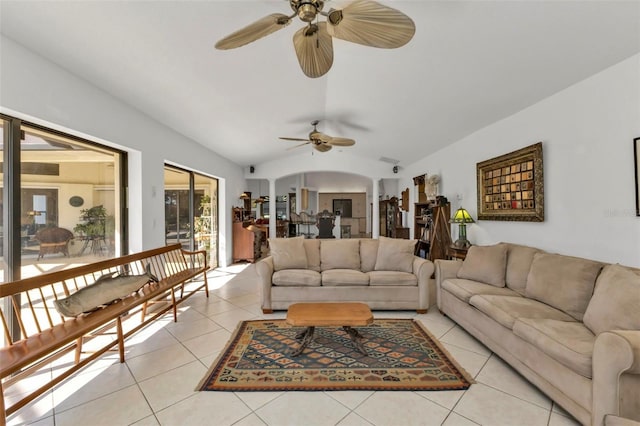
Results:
[511, 186]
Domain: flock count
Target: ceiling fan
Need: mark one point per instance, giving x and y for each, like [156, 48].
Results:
[320, 141]
[364, 22]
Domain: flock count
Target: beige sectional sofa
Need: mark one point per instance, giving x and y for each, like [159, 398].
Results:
[383, 273]
[571, 326]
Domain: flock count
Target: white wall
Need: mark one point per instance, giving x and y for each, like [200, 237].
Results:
[40, 91]
[587, 132]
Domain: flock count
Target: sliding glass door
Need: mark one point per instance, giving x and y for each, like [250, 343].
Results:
[191, 211]
[66, 200]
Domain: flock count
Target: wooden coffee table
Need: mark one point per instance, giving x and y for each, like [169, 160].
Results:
[345, 315]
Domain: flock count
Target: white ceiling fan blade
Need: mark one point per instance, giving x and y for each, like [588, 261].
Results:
[371, 24]
[298, 146]
[295, 139]
[342, 142]
[252, 32]
[314, 48]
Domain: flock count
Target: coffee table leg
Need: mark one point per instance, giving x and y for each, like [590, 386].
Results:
[306, 337]
[356, 338]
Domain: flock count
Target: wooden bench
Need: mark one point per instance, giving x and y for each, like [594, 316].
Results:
[45, 335]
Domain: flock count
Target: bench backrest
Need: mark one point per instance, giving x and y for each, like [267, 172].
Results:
[30, 300]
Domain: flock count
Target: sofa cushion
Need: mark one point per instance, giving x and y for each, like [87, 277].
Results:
[395, 254]
[296, 278]
[344, 277]
[486, 264]
[392, 278]
[368, 254]
[507, 309]
[563, 282]
[339, 254]
[312, 249]
[465, 289]
[288, 253]
[519, 260]
[569, 343]
[615, 304]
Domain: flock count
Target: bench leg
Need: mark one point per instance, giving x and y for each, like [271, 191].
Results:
[206, 285]
[120, 338]
[3, 414]
[78, 349]
[173, 303]
[144, 311]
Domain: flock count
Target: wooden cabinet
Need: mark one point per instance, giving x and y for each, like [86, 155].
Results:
[245, 241]
[432, 229]
[421, 218]
[391, 219]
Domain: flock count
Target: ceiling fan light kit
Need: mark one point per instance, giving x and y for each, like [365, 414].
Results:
[364, 22]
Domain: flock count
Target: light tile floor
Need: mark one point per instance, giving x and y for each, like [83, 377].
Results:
[166, 361]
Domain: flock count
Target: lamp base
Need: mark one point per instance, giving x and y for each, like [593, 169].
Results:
[462, 243]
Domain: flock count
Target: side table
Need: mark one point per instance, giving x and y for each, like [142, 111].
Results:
[456, 252]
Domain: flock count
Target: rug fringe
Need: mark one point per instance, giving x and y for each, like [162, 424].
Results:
[230, 341]
[468, 377]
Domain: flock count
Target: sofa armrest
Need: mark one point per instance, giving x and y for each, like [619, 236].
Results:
[610, 420]
[616, 375]
[445, 269]
[264, 268]
[423, 269]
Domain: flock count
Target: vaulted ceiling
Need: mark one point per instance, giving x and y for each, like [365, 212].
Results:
[470, 63]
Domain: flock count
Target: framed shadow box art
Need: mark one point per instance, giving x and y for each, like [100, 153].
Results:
[511, 187]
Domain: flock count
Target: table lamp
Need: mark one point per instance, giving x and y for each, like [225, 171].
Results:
[462, 217]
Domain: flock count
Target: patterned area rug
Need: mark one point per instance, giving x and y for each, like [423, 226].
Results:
[402, 355]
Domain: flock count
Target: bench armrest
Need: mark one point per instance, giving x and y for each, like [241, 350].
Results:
[616, 375]
[196, 259]
[423, 269]
[445, 269]
[264, 268]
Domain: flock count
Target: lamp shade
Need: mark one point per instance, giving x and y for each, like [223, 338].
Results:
[245, 195]
[462, 216]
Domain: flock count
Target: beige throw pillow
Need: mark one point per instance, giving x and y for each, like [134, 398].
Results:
[368, 254]
[485, 264]
[395, 254]
[288, 253]
[564, 282]
[615, 304]
[312, 248]
[339, 254]
[519, 259]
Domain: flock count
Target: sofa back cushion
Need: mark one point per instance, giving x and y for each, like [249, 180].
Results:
[615, 304]
[339, 254]
[368, 254]
[395, 255]
[485, 264]
[519, 260]
[564, 282]
[288, 253]
[312, 249]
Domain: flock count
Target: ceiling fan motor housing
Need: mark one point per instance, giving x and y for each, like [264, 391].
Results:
[306, 9]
